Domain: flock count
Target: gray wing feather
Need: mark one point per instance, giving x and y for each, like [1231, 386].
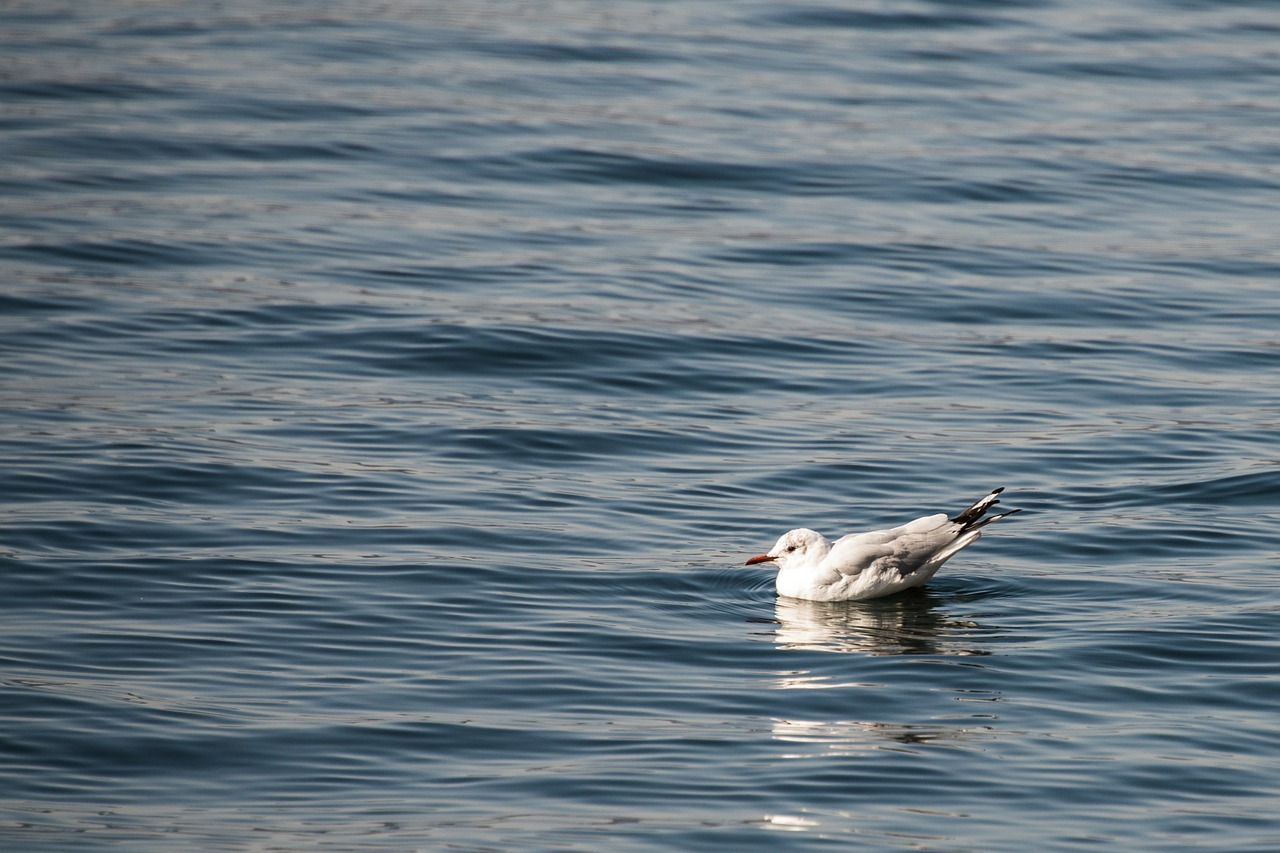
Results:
[903, 549]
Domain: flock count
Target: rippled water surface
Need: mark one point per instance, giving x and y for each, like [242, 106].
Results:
[392, 391]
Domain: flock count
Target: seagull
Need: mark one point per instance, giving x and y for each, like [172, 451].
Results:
[878, 563]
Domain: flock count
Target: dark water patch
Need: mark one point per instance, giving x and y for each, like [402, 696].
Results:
[130, 479]
[123, 148]
[525, 446]
[180, 25]
[1255, 489]
[620, 359]
[557, 53]
[982, 260]
[249, 107]
[1131, 351]
[116, 88]
[1215, 181]
[1216, 267]
[34, 303]
[119, 252]
[610, 167]
[1123, 539]
[98, 530]
[415, 274]
[924, 20]
[1160, 69]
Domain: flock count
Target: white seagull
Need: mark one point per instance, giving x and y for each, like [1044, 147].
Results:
[882, 562]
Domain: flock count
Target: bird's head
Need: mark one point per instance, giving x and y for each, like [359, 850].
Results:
[794, 546]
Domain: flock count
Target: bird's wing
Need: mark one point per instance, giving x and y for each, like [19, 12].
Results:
[902, 549]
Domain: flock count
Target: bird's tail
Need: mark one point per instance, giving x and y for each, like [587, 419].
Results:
[972, 518]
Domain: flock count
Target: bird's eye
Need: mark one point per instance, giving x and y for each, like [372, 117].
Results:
[792, 548]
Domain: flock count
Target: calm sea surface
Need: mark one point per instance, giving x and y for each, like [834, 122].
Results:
[390, 393]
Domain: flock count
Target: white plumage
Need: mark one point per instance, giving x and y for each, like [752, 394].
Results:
[881, 562]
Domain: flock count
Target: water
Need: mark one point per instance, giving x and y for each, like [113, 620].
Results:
[393, 391]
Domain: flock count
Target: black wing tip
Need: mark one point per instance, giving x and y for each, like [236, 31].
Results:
[972, 518]
[987, 521]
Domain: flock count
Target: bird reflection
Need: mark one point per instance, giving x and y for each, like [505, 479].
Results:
[811, 739]
[913, 623]
[907, 624]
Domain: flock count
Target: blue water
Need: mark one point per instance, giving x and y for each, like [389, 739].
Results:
[392, 391]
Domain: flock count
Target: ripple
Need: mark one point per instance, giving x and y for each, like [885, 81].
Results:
[392, 401]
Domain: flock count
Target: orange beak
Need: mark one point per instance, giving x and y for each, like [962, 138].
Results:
[763, 558]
